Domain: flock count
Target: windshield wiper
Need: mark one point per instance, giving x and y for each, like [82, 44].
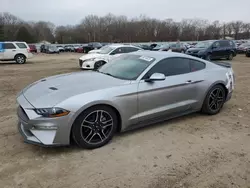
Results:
[106, 74]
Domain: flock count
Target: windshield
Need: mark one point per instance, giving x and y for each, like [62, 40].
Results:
[175, 45]
[105, 50]
[203, 44]
[245, 45]
[52, 47]
[127, 66]
[164, 46]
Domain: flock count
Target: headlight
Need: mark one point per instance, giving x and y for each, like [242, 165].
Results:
[51, 112]
[92, 59]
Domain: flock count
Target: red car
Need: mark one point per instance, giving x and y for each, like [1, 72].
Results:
[79, 50]
[33, 48]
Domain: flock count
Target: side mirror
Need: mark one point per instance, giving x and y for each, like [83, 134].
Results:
[213, 47]
[156, 77]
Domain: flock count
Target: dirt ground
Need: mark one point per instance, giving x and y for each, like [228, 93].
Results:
[193, 151]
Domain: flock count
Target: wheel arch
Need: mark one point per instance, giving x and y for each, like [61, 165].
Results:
[93, 105]
[222, 83]
[101, 60]
[20, 54]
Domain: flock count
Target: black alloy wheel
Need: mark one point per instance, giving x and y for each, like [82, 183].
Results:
[214, 100]
[95, 127]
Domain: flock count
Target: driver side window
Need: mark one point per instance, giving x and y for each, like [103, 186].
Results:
[170, 67]
[118, 51]
[216, 45]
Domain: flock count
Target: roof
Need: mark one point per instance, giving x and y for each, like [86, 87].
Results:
[121, 45]
[159, 55]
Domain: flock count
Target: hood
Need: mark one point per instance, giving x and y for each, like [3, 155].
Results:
[50, 91]
[91, 56]
[196, 50]
[94, 51]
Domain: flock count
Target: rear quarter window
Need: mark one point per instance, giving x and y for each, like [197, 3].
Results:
[21, 45]
[196, 65]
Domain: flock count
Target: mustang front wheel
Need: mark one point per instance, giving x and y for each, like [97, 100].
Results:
[95, 127]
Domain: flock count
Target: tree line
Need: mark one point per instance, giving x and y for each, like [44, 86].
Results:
[111, 28]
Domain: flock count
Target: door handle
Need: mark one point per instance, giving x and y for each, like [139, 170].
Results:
[188, 82]
[13, 50]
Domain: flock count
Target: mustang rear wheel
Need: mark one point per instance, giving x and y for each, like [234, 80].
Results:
[214, 100]
[95, 127]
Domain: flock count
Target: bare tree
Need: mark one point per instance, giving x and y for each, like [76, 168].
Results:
[237, 28]
[111, 28]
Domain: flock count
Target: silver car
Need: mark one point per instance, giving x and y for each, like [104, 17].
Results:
[132, 90]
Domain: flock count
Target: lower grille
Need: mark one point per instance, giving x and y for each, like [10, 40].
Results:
[80, 62]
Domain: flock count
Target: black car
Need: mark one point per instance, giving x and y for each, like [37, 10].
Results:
[91, 46]
[214, 49]
[248, 52]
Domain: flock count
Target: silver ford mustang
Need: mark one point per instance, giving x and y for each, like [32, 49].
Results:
[132, 90]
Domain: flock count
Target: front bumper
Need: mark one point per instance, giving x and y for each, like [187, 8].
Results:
[194, 54]
[229, 96]
[41, 131]
[86, 65]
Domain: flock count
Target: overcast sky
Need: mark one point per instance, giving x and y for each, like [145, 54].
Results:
[63, 12]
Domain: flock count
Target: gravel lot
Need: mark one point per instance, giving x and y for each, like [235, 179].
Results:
[193, 151]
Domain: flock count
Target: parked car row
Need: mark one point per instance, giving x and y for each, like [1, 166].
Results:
[209, 50]
[214, 49]
[84, 48]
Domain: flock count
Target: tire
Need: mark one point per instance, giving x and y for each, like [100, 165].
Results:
[230, 56]
[93, 134]
[211, 106]
[98, 64]
[247, 55]
[20, 59]
[208, 57]
[182, 52]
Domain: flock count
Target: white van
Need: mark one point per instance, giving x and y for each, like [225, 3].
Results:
[15, 51]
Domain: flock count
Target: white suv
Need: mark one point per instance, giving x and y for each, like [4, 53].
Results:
[17, 51]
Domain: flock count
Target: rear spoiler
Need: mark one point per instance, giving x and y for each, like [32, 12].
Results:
[223, 64]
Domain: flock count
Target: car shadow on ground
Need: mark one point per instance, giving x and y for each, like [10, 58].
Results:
[54, 151]
[14, 63]
[160, 124]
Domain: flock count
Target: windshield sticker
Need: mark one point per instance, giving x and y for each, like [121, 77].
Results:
[146, 58]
